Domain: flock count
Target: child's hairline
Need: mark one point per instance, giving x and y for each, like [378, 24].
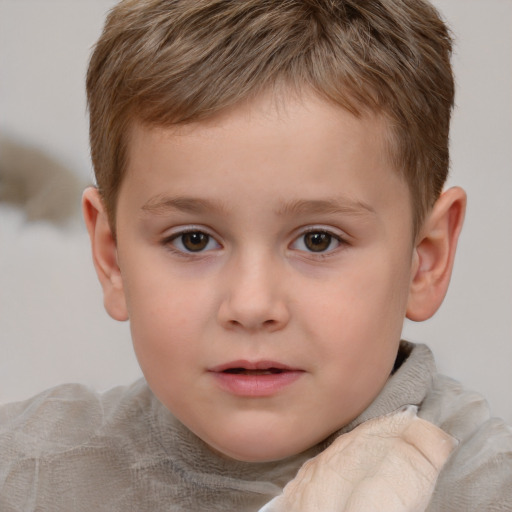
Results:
[357, 109]
[362, 59]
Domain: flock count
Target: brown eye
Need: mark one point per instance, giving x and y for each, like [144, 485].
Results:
[195, 241]
[192, 242]
[318, 241]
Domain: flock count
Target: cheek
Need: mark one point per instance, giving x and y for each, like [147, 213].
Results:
[381, 288]
[167, 318]
[358, 318]
[362, 300]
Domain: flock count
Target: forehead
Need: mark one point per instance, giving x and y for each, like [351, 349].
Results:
[273, 119]
[298, 147]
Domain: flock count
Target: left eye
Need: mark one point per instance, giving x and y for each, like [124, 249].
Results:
[194, 241]
[316, 241]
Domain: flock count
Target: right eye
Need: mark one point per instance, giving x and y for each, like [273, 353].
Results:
[193, 241]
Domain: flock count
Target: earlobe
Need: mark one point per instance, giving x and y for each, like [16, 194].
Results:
[434, 254]
[104, 254]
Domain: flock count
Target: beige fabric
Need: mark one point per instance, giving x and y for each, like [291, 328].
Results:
[70, 449]
[390, 464]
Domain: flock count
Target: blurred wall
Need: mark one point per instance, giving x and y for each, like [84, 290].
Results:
[52, 325]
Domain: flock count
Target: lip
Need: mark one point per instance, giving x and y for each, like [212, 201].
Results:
[230, 377]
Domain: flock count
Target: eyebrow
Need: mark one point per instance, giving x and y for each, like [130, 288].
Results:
[160, 205]
[326, 206]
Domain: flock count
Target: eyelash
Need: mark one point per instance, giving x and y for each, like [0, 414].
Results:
[333, 237]
[169, 242]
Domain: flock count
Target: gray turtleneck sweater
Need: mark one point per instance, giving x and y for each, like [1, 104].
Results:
[70, 449]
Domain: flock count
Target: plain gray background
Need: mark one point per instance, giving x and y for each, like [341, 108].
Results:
[52, 325]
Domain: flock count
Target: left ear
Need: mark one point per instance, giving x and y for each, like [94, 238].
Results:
[434, 254]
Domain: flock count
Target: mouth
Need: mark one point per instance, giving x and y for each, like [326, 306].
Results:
[253, 368]
[255, 379]
[245, 371]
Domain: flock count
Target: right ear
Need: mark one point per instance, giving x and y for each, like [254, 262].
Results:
[104, 254]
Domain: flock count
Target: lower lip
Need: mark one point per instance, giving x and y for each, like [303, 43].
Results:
[256, 385]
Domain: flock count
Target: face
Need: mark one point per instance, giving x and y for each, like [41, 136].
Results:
[266, 260]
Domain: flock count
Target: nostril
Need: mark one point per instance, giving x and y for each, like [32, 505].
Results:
[267, 323]
[250, 316]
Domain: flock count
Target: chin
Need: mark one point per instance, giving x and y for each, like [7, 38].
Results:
[251, 451]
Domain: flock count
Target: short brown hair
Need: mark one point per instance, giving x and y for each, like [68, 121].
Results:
[164, 62]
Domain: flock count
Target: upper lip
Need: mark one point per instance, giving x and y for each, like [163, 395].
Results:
[252, 365]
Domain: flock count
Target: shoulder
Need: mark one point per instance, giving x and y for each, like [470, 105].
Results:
[478, 477]
[64, 414]
[46, 416]
[54, 442]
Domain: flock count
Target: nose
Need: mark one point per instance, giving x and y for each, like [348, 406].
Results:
[254, 297]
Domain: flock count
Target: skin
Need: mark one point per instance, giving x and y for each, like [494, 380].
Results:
[390, 463]
[255, 181]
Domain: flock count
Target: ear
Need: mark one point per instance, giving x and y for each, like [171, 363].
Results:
[104, 254]
[434, 254]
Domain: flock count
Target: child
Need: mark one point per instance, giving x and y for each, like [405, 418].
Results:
[269, 209]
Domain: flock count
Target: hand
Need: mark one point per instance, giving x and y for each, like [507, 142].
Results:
[388, 464]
